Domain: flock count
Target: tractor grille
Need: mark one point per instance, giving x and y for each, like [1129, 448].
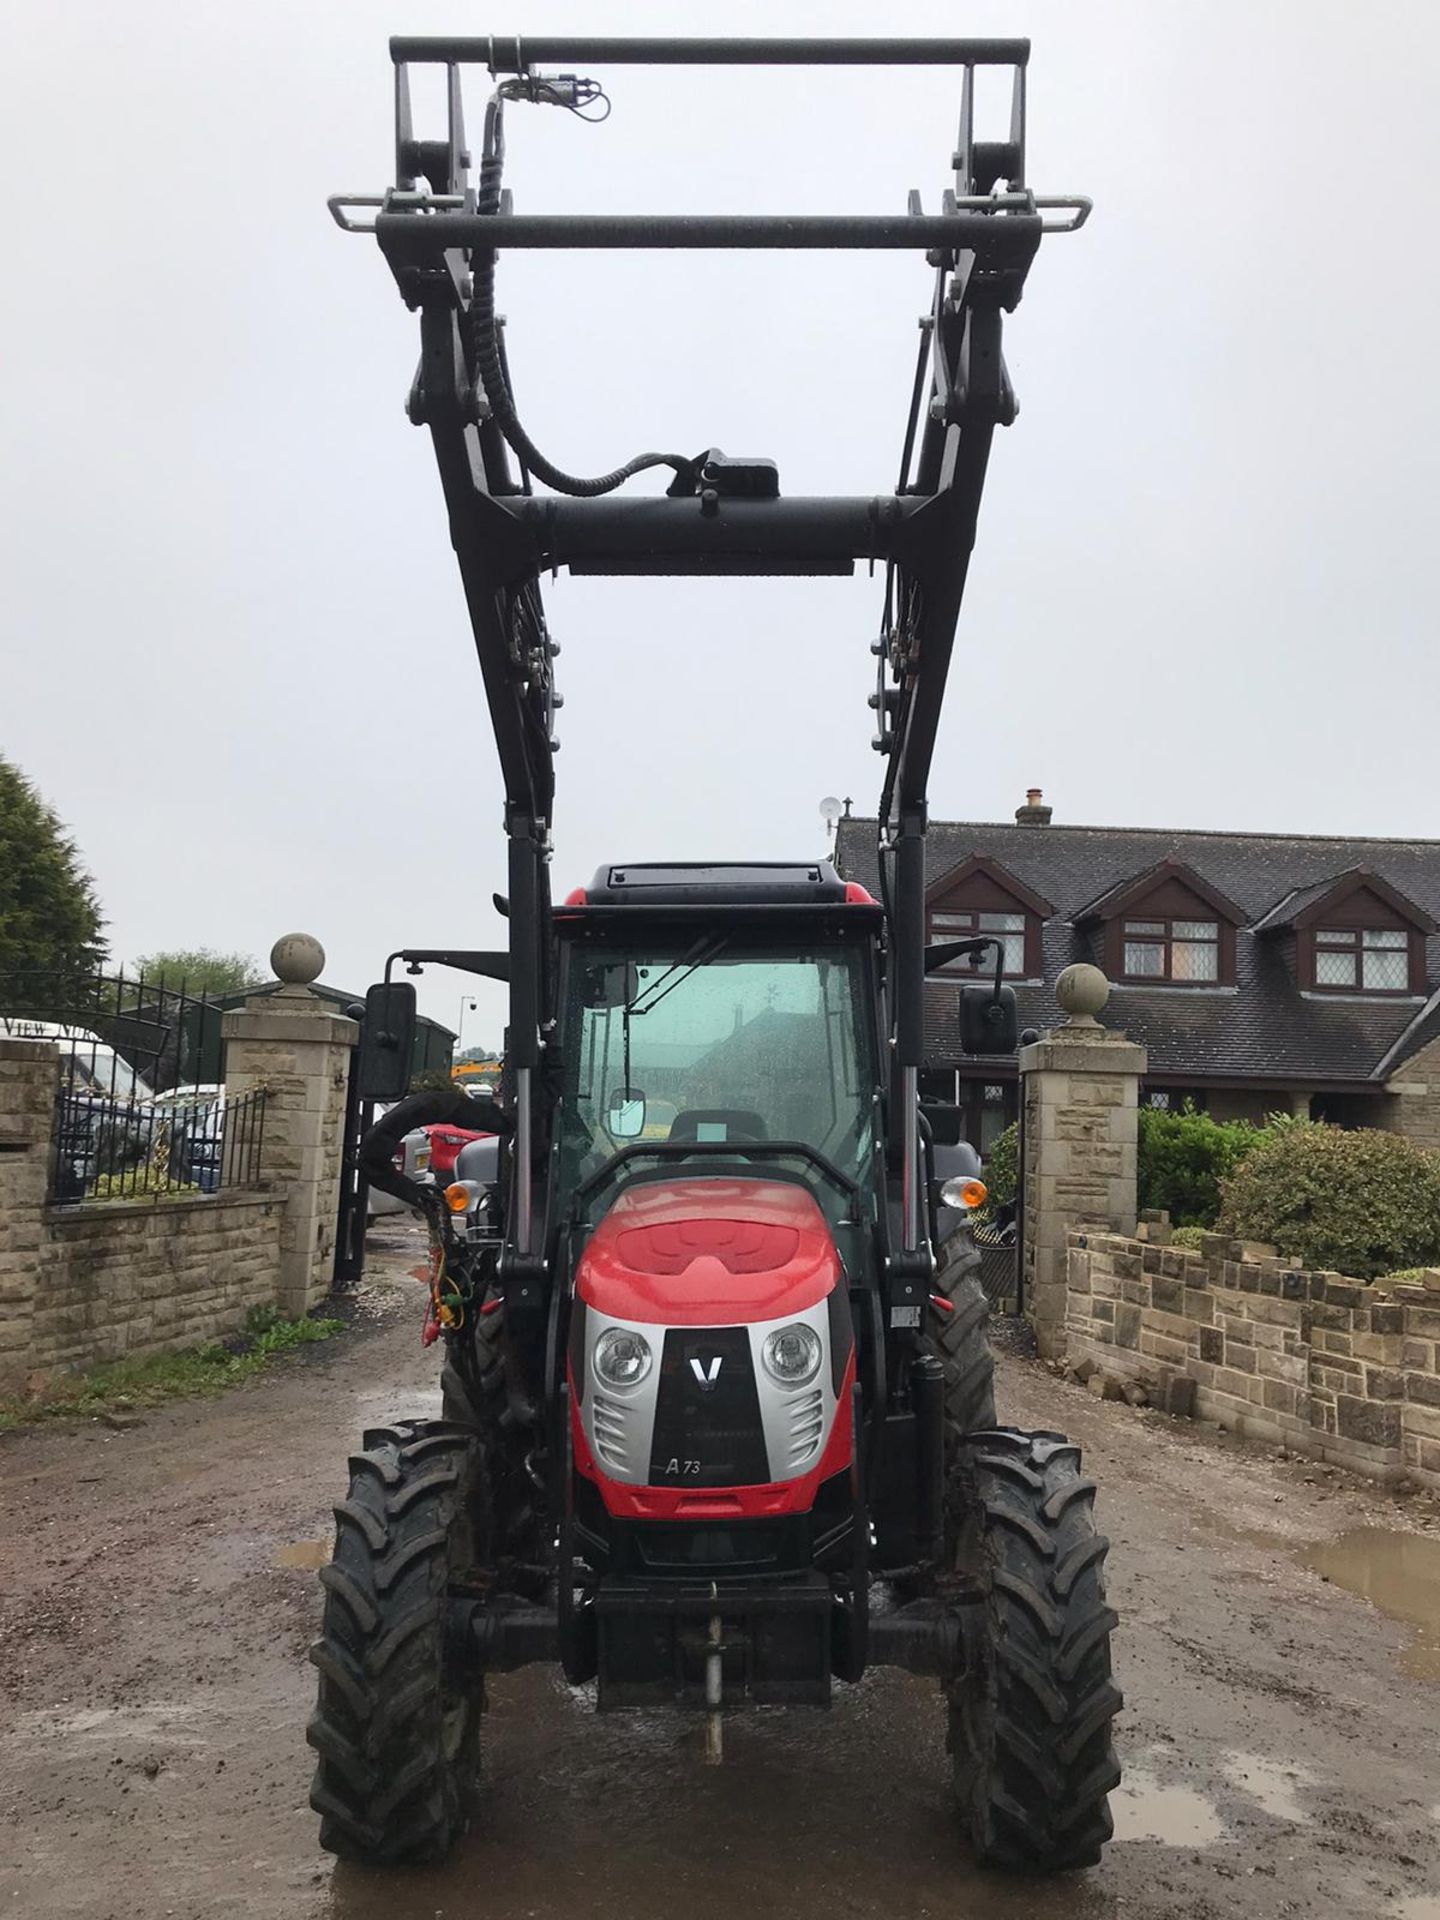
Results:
[806, 1423]
[707, 1413]
[611, 1423]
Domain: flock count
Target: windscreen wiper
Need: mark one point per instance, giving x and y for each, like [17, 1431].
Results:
[700, 955]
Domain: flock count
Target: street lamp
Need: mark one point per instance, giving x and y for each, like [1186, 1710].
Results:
[466, 1004]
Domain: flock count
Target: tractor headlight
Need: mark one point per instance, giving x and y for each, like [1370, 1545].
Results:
[622, 1358]
[792, 1355]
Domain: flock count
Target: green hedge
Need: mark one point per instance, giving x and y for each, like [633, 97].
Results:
[1002, 1168]
[1353, 1201]
[1182, 1160]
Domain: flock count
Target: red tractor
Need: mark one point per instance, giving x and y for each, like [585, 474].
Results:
[718, 1423]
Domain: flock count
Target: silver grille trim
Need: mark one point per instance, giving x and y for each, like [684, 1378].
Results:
[796, 1421]
[807, 1426]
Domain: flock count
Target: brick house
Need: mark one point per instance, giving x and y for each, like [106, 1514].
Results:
[1262, 971]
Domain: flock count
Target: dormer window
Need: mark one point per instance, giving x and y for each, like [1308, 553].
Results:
[1184, 950]
[1352, 933]
[1363, 959]
[1009, 927]
[1165, 927]
[981, 898]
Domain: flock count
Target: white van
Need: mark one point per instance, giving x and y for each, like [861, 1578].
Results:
[92, 1064]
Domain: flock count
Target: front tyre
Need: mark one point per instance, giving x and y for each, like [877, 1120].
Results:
[955, 1332]
[396, 1729]
[475, 1393]
[1030, 1718]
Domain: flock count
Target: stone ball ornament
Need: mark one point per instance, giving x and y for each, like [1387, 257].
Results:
[1082, 991]
[297, 959]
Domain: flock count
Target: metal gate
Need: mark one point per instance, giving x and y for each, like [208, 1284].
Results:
[354, 1204]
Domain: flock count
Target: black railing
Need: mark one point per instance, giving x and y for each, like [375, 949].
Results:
[108, 1148]
[141, 1108]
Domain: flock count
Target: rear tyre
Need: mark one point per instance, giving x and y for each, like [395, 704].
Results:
[477, 1395]
[396, 1727]
[1030, 1733]
[955, 1334]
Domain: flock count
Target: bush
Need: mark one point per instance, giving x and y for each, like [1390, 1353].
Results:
[1001, 1168]
[1188, 1237]
[144, 1184]
[1361, 1202]
[1183, 1158]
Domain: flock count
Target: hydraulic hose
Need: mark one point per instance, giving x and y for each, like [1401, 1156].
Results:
[485, 332]
[439, 1108]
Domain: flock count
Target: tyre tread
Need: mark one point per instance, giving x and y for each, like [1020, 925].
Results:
[1031, 1724]
[387, 1786]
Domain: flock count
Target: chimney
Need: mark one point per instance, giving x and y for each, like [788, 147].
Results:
[1032, 814]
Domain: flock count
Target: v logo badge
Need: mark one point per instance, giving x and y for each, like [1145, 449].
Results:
[706, 1377]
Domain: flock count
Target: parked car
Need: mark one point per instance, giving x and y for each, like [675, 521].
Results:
[412, 1158]
[197, 1121]
[445, 1145]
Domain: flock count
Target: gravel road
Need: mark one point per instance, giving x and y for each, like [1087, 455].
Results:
[158, 1592]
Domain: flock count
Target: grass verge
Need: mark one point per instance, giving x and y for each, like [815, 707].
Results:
[123, 1386]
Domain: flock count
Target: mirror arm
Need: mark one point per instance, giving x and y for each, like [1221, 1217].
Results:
[949, 950]
[494, 966]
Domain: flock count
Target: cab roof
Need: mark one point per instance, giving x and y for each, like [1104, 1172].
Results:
[751, 883]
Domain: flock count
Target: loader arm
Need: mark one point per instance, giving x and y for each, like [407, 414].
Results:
[440, 236]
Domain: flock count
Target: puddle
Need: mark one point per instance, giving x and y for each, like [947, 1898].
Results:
[1419, 1906]
[1176, 1816]
[304, 1553]
[1397, 1572]
[1267, 1781]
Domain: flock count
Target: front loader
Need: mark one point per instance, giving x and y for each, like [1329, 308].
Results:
[718, 1425]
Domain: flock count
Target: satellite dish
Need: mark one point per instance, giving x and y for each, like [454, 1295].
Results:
[830, 810]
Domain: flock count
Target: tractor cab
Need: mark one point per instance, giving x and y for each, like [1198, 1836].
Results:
[717, 1020]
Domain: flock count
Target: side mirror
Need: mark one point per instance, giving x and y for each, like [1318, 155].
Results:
[612, 983]
[387, 1041]
[989, 1023]
[947, 1124]
[625, 1114]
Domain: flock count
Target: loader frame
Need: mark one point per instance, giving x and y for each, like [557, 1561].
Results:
[724, 517]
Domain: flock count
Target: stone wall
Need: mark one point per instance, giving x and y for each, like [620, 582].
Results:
[29, 1080]
[1414, 1104]
[138, 1277]
[1322, 1364]
[80, 1285]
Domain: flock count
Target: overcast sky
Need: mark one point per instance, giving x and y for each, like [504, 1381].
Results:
[236, 654]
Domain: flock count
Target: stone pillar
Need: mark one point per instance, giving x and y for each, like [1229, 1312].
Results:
[1081, 1086]
[289, 1043]
[29, 1081]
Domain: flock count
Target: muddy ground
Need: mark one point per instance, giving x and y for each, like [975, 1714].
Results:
[157, 1594]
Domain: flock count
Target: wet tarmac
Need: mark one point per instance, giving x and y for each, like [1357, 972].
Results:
[158, 1592]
